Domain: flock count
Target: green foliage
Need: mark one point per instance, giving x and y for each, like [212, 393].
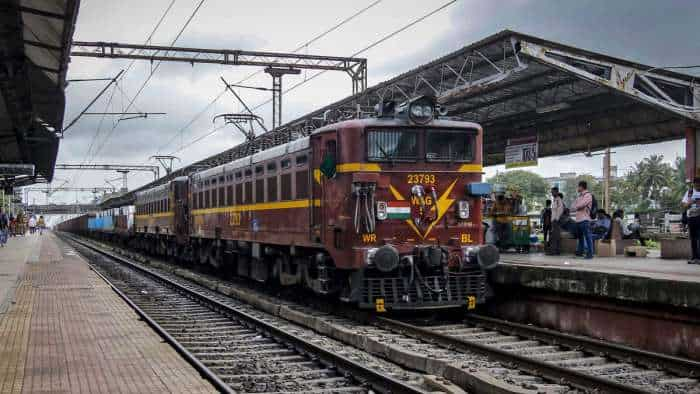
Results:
[570, 191]
[652, 185]
[651, 244]
[532, 187]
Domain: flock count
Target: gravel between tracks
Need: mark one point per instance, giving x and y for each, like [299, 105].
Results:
[289, 376]
[469, 371]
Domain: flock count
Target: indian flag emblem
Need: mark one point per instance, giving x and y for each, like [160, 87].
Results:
[398, 210]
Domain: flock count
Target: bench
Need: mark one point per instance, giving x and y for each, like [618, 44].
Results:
[675, 248]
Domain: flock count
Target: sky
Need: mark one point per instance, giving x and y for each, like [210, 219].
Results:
[658, 33]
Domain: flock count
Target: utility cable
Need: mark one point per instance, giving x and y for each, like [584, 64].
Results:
[368, 47]
[251, 75]
[153, 71]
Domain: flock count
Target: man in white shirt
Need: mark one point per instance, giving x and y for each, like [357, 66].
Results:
[691, 202]
[557, 212]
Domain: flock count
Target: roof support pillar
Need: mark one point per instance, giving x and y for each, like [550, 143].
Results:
[692, 153]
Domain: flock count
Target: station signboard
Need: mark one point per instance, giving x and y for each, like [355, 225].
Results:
[11, 169]
[521, 152]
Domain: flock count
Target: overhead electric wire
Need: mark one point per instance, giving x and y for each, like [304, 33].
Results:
[153, 71]
[148, 40]
[368, 47]
[251, 75]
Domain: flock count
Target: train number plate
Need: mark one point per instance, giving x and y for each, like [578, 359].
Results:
[471, 302]
[420, 179]
[379, 305]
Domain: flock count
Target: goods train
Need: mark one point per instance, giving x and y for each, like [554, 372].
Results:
[383, 212]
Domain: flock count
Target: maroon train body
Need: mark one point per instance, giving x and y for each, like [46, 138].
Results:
[384, 212]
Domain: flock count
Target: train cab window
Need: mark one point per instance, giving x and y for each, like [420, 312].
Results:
[259, 190]
[213, 181]
[222, 191]
[248, 172]
[271, 167]
[194, 201]
[272, 188]
[392, 145]
[302, 184]
[258, 170]
[286, 186]
[207, 201]
[221, 179]
[229, 195]
[239, 175]
[239, 193]
[286, 163]
[445, 145]
[302, 159]
[201, 200]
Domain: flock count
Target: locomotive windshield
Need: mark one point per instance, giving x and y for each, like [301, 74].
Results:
[448, 146]
[392, 145]
[403, 145]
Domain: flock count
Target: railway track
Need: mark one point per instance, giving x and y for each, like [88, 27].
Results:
[526, 357]
[236, 351]
[583, 362]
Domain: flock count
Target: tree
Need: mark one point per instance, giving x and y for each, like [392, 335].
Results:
[532, 187]
[671, 197]
[570, 190]
[650, 176]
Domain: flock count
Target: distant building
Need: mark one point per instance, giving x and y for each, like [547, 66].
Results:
[561, 181]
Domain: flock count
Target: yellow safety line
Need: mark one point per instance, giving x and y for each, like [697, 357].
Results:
[259, 207]
[155, 215]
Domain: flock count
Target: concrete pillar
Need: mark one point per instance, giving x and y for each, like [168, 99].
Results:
[692, 153]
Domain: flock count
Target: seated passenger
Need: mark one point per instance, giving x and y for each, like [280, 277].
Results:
[601, 226]
[617, 218]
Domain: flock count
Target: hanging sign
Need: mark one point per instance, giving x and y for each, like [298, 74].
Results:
[521, 152]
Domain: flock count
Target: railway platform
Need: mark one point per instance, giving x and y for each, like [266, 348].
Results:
[648, 280]
[63, 329]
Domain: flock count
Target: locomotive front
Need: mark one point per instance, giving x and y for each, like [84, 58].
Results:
[414, 209]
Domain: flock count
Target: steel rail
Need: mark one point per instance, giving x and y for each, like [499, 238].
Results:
[677, 365]
[549, 371]
[360, 372]
[189, 357]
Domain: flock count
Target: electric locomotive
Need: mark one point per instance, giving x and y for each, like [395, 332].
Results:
[384, 212]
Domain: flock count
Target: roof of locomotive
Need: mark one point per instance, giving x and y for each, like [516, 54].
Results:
[276, 151]
[395, 122]
[303, 143]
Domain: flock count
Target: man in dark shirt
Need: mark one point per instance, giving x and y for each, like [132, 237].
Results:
[546, 220]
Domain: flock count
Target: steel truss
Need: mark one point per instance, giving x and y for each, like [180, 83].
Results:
[514, 84]
[111, 167]
[277, 63]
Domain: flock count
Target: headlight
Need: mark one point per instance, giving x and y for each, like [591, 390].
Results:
[420, 111]
[486, 256]
[381, 210]
[417, 111]
[369, 255]
[463, 208]
[386, 258]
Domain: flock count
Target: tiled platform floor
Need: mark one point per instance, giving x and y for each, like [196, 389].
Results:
[65, 331]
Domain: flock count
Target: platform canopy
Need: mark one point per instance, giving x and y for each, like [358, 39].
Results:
[35, 45]
[516, 85]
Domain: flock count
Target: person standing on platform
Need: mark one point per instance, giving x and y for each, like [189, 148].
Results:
[41, 224]
[32, 224]
[4, 228]
[556, 212]
[691, 202]
[583, 206]
[546, 220]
